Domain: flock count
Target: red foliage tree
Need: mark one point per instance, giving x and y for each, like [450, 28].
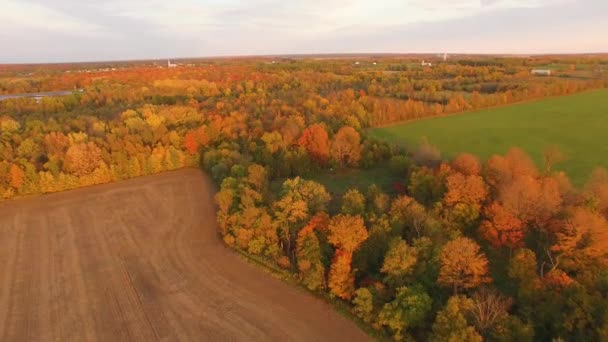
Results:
[316, 141]
[501, 227]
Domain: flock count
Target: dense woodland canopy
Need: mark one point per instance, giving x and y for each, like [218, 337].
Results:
[455, 250]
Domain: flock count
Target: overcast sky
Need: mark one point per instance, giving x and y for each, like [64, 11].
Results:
[93, 30]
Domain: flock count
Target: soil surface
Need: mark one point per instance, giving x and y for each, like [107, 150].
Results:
[140, 260]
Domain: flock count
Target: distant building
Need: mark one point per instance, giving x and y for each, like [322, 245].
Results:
[171, 65]
[541, 72]
[445, 57]
[426, 63]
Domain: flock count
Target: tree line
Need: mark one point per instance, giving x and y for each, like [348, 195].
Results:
[459, 251]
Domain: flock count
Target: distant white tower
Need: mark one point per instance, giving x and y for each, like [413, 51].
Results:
[445, 57]
[170, 65]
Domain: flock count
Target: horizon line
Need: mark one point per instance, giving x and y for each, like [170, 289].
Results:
[312, 55]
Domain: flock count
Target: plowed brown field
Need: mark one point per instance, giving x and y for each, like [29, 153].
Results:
[140, 260]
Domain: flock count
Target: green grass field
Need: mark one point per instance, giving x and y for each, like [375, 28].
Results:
[577, 125]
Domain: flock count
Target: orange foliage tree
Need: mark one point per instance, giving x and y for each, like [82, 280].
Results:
[195, 139]
[16, 176]
[463, 266]
[582, 240]
[346, 146]
[316, 141]
[467, 164]
[341, 279]
[346, 233]
[82, 158]
[501, 227]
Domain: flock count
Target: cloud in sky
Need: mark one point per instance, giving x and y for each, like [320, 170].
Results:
[73, 30]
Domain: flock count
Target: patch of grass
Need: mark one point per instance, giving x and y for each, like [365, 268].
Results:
[576, 124]
[337, 182]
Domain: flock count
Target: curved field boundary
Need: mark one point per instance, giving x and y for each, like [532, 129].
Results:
[576, 124]
[140, 260]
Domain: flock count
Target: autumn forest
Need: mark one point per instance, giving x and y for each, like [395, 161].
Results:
[458, 249]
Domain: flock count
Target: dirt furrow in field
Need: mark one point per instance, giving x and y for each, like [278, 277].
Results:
[140, 260]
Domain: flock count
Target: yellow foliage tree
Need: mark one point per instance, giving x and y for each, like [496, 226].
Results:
[463, 266]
